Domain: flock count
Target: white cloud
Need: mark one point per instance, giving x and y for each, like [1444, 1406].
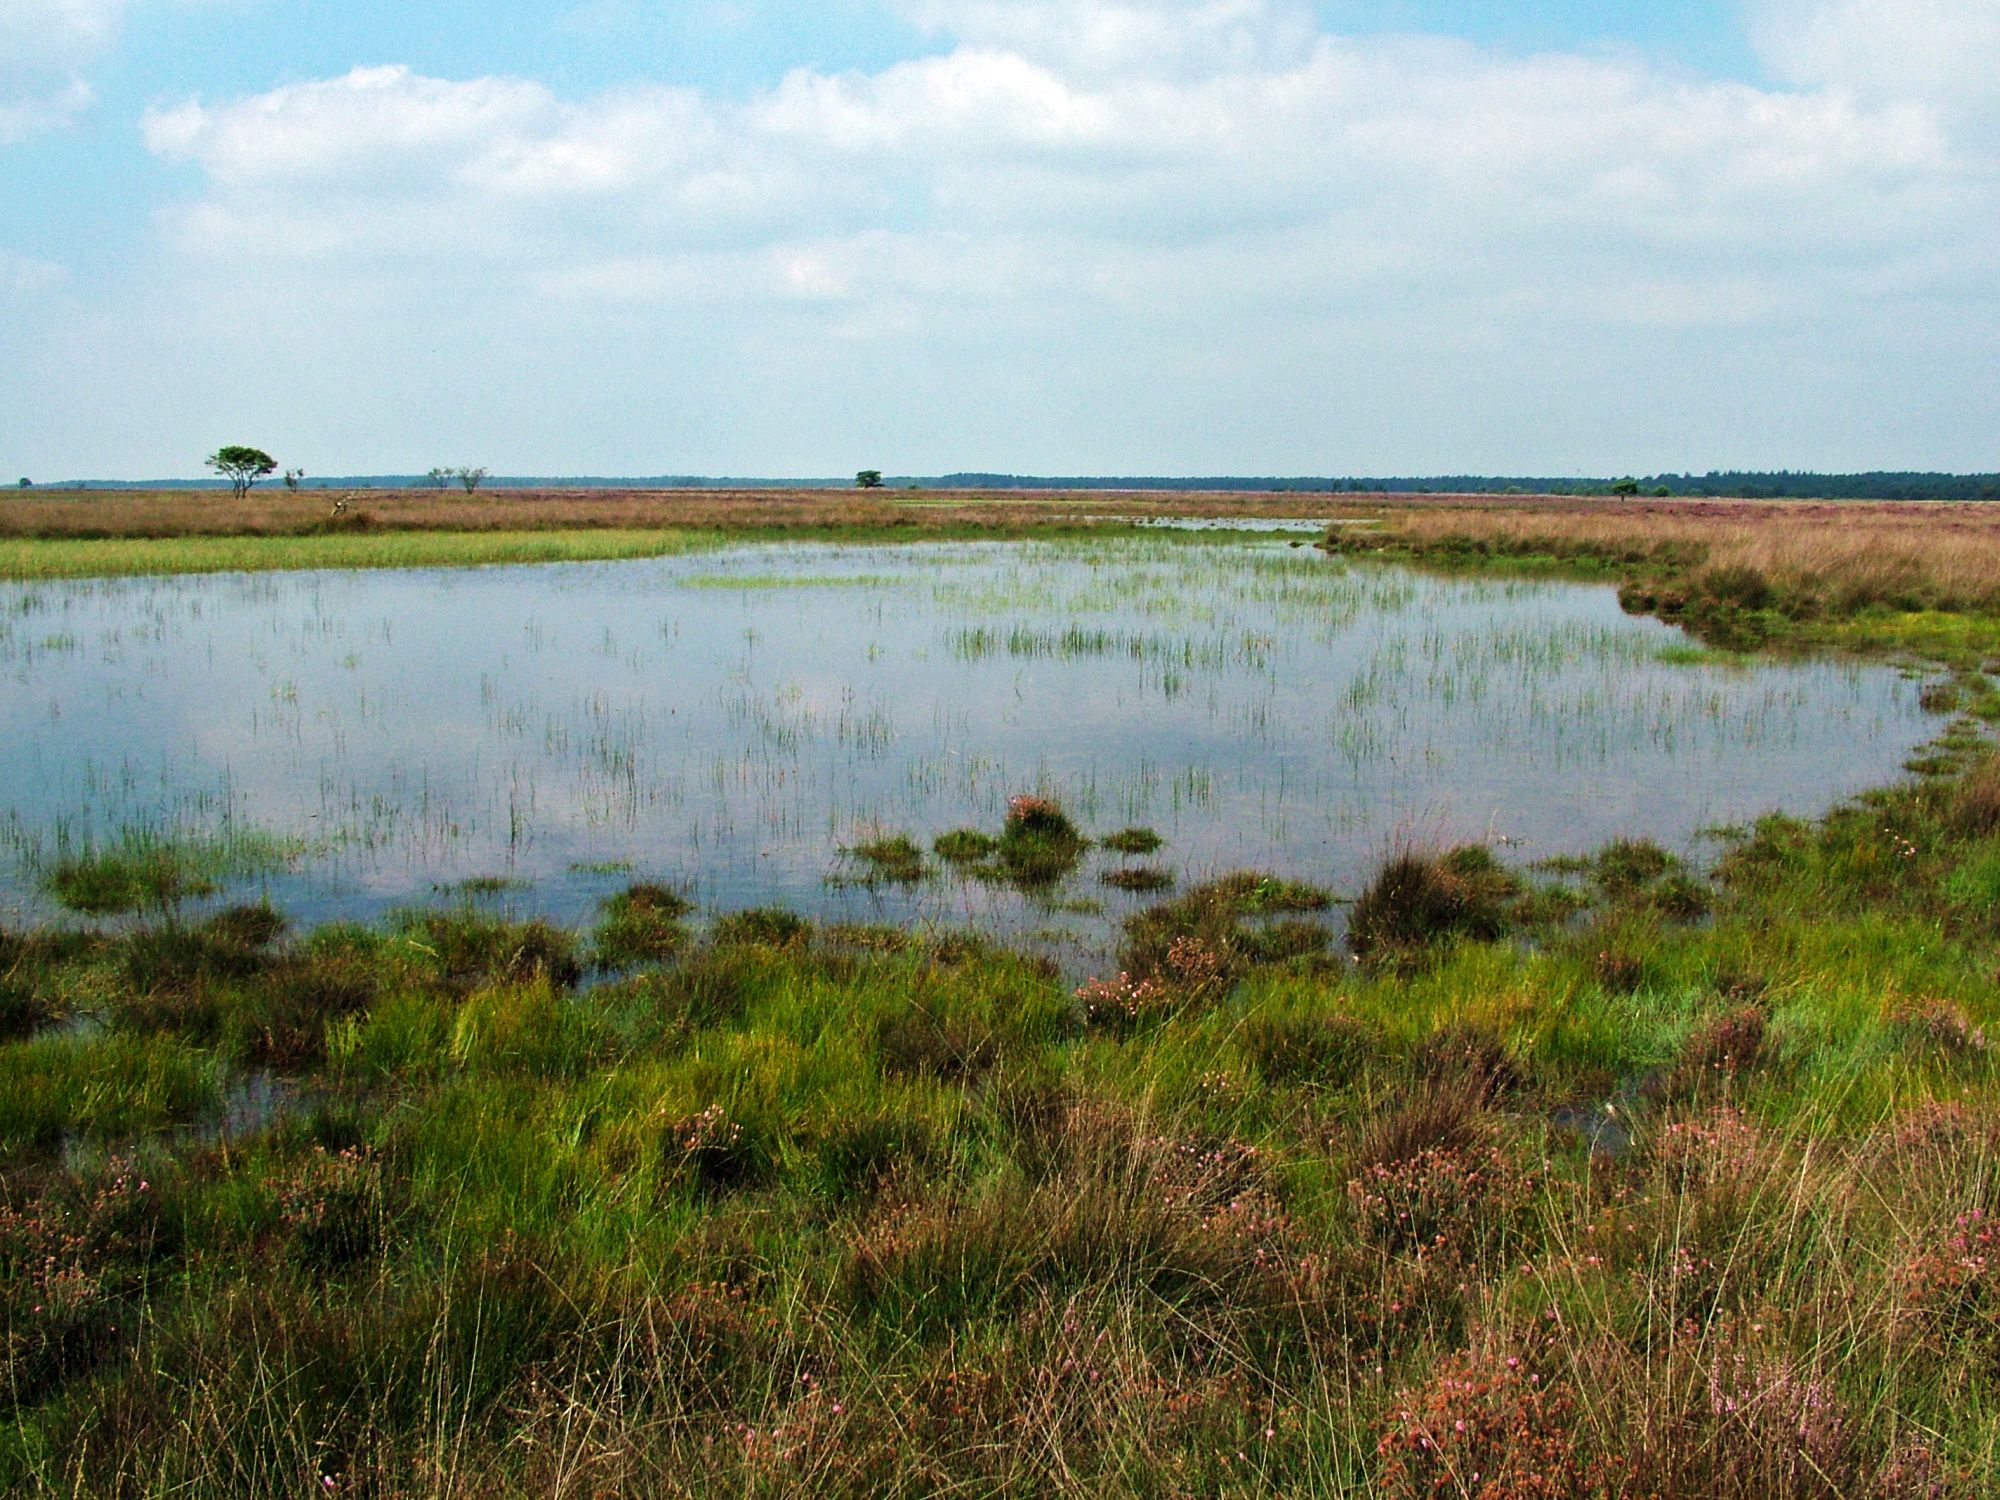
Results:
[28, 276]
[1104, 36]
[1157, 235]
[1945, 51]
[44, 47]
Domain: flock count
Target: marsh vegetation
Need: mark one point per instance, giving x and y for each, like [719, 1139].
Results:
[487, 1140]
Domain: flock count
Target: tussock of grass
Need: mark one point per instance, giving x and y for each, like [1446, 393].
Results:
[894, 859]
[1418, 899]
[641, 924]
[1132, 841]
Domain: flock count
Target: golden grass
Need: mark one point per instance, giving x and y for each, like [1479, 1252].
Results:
[180, 513]
[1902, 554]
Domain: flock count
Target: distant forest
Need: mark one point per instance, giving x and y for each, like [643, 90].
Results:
[1732, 483]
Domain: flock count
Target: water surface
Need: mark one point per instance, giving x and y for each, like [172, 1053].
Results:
[731, 720]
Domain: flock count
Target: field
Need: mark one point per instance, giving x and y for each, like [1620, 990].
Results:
[1605, 1172]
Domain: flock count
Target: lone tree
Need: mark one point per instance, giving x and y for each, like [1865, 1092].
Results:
[869, 479]
[470, 477]
[292, 478]
[241, 466]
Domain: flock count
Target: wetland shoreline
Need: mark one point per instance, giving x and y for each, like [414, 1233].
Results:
[780, 1204]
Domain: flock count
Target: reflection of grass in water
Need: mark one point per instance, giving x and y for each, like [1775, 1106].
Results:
[794, 581]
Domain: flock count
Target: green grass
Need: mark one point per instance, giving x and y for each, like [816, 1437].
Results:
[44, 558]
[147, 869]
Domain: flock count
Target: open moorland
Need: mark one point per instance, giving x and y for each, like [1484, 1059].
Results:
[1663, 1166]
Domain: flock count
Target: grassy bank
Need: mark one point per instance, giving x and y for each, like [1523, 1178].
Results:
[122, 533]
[1606, 1179]
[1581, 1192]
[1910, 577]
[118, 557]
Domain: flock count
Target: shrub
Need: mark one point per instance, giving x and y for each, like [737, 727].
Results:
[1720, 1049]
[1417, 899]
[1736, 584]
[1939, 1029]
[1975, 805]
[21, 1010]
[856, 1159]
[332, 1208]
[715, 1154]
[1466, 1057]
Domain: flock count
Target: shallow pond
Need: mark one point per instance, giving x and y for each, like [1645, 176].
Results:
[731, 720]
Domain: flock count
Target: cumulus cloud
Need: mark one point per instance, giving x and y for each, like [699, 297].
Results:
[1212, 201]
[1943, 51]
[44, 47]
[1098, 36]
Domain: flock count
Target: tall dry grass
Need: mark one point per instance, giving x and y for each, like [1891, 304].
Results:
[172, 513]
[1846, 555]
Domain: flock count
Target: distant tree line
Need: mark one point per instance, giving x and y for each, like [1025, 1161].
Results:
[1724, 483]
[1730, 483]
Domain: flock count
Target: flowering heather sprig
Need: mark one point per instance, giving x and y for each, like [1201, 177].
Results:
[1938, 1026]
[1720, 1147]
[64, 1267]
[1951, 1291]
[1488, 1424]
[1124, 1001]
[1443, 1202]
[1194, 960]
[1029, 812]
[332, 1207]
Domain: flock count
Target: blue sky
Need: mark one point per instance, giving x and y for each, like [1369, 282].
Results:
[1103, 235]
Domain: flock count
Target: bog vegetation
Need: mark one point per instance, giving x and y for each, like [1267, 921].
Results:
[1607, 1176]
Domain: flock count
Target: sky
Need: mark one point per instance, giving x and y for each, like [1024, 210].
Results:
[1187, 237]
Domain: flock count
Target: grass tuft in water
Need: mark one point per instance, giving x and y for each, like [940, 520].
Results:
[640, 924]
[1139, 878]
[1132, 841]
[965, 846]
[894, 859]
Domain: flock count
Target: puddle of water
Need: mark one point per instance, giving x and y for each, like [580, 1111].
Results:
[729, 721]
[1601, 1127]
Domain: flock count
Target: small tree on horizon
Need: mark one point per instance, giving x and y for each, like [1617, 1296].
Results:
[469, 477]
[869, 479]
[241, 466]
[292, 478]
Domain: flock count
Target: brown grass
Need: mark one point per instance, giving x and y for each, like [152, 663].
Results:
[170, 513]
[1846, 554]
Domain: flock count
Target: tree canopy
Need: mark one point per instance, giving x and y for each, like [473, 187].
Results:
[241, 466]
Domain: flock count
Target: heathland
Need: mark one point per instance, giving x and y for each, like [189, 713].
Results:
[1607, 1174]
